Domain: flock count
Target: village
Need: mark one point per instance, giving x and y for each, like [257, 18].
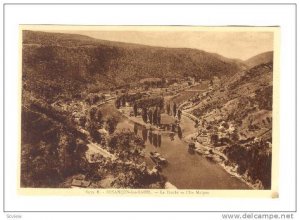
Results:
[158, 105]
[97, 149]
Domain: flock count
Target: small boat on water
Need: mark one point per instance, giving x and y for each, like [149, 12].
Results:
[157, 158]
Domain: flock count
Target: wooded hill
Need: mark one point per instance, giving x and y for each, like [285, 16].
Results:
[56, 59]
[262, 58]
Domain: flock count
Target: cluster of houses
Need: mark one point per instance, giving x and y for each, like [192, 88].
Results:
[203, 138]
[221, 132]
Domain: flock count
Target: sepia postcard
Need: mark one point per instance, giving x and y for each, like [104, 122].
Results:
[149, 110]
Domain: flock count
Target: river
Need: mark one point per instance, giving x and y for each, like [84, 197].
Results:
[184, 170]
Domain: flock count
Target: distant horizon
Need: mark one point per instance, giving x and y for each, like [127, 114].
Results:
[232, 45]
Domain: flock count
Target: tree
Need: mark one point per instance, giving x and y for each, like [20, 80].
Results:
[135, 110]
[93, 112]
[174, 109]
[154, 139]
[196, 123]
[179, 112]
[168, 109]
[225, 125]
[150, 136]
[135, 129]
[148, 102]
[173, 127]
[159, 140]
[111, 124]
[214, 139]
[117, 103]
[145, 134]
[99, 118]
[93, 129]
[158, 117]
[82, 120]
[120, 101]
[155, 116]
[144, 115]
[40, 166]
[126, 144]
[235, 136]
[179, 132]
[150, 116]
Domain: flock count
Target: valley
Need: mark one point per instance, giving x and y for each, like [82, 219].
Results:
[95, 112]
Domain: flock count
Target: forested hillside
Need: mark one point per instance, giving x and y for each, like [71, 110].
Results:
[59, 62]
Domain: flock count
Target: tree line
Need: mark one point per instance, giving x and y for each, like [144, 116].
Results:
[151, 107]
[131, 98]
[173, 110]
[151, 115]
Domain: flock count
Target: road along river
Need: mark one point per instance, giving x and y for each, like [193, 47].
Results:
[184, 170]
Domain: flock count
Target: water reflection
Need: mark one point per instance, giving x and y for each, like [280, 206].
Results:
[169, 145]
[179, 132]
[145, 134]
[159, 140]
[154, 140]
[172, 136]
[155, 137]
[184, 170]
[173, 127]
[150, 137]
[191, 151]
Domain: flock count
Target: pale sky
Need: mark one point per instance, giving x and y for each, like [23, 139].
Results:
[241, 45]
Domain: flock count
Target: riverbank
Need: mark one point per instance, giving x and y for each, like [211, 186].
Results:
[221, 159]
[202, 173]
[215, 155]
[189, 132]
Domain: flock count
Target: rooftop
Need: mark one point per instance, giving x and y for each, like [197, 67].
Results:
[80, 183]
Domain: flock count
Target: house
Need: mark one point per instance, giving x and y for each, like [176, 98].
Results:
[216, 81]
[222, 134]
[191, 80]
[85, 183]
[77, 183]
[107, 96]
[203, 138]
[103, 132]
